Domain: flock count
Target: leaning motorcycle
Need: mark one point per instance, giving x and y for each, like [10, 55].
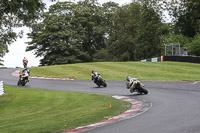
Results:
[99, 81]
[23, 78]
[135, 85]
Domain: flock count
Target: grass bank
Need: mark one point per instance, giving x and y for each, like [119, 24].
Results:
[154, 71]
[28, 110]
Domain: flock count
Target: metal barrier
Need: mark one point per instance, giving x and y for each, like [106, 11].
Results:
[1, 88]
[156, 59]
[192, 59]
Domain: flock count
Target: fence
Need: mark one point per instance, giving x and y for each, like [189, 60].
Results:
[192, 59]
[156, 59]
[1, 88]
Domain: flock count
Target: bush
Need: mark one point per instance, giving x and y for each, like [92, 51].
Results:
[102, 55]
[194, 46]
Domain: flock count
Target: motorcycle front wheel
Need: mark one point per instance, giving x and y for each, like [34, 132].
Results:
[23, 83]
[18, 83]
[105, 85]
[145, 91]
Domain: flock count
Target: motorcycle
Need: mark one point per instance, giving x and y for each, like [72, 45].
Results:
[99, 81]
[135, 85]
[23, 78]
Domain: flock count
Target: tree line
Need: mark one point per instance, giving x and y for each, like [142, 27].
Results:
[86, 31]
[13, 14]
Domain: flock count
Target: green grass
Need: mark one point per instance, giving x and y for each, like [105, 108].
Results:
[25, 110]
[153, 71]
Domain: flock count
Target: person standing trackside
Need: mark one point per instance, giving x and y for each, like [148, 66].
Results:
[25, 62]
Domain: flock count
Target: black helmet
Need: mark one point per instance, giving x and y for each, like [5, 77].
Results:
[128, 78]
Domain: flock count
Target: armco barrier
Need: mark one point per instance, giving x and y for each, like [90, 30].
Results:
[1, 88]
[156, 59]
[192, 59]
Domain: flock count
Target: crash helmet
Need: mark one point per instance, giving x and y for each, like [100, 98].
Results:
[128, 78]
[93, 71]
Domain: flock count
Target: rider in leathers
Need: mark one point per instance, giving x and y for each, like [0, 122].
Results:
[95, 76]
[131, 83]
[25, 62]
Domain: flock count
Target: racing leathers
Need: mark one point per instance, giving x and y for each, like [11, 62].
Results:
[95, 76]
[25, 62]
[131, 83]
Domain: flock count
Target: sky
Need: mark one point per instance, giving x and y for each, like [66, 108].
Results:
[17, 49]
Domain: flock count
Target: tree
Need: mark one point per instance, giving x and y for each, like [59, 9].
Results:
[194, 46]
[108, 10]
[186, 16]
[15, 13]
[70, 33]
[92, 26]
[148, 41]
[122, 40]
[53, 38]
[186, 20]
[137, 33]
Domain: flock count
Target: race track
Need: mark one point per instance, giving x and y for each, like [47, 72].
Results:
[176, 105]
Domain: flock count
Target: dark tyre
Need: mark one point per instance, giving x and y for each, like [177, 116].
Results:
[99, 84]
[105, 85]
[144, 91]
[23, 83]
[18, 83]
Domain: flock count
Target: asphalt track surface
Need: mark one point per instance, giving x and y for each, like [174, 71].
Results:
[176, 105]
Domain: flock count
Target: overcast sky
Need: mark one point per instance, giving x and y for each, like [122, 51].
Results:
[17, 49]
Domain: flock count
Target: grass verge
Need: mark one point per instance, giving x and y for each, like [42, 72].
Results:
[153, 71]
[33, 110]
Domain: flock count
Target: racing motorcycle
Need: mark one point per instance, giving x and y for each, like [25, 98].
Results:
[135, 85]
[99, 81]
[23, 78]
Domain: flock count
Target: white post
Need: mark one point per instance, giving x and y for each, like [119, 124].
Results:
[1, 88]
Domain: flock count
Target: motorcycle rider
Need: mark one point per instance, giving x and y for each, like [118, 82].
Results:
[131, 83]
[25, 75]
[98, 80]
[26, 70]
[25, 62]
[95, 76]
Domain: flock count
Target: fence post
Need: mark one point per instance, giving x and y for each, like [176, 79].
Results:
[1, 88]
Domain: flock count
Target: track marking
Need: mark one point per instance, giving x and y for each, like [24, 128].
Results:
[137, 108]
[195, 82]
[16, 74]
